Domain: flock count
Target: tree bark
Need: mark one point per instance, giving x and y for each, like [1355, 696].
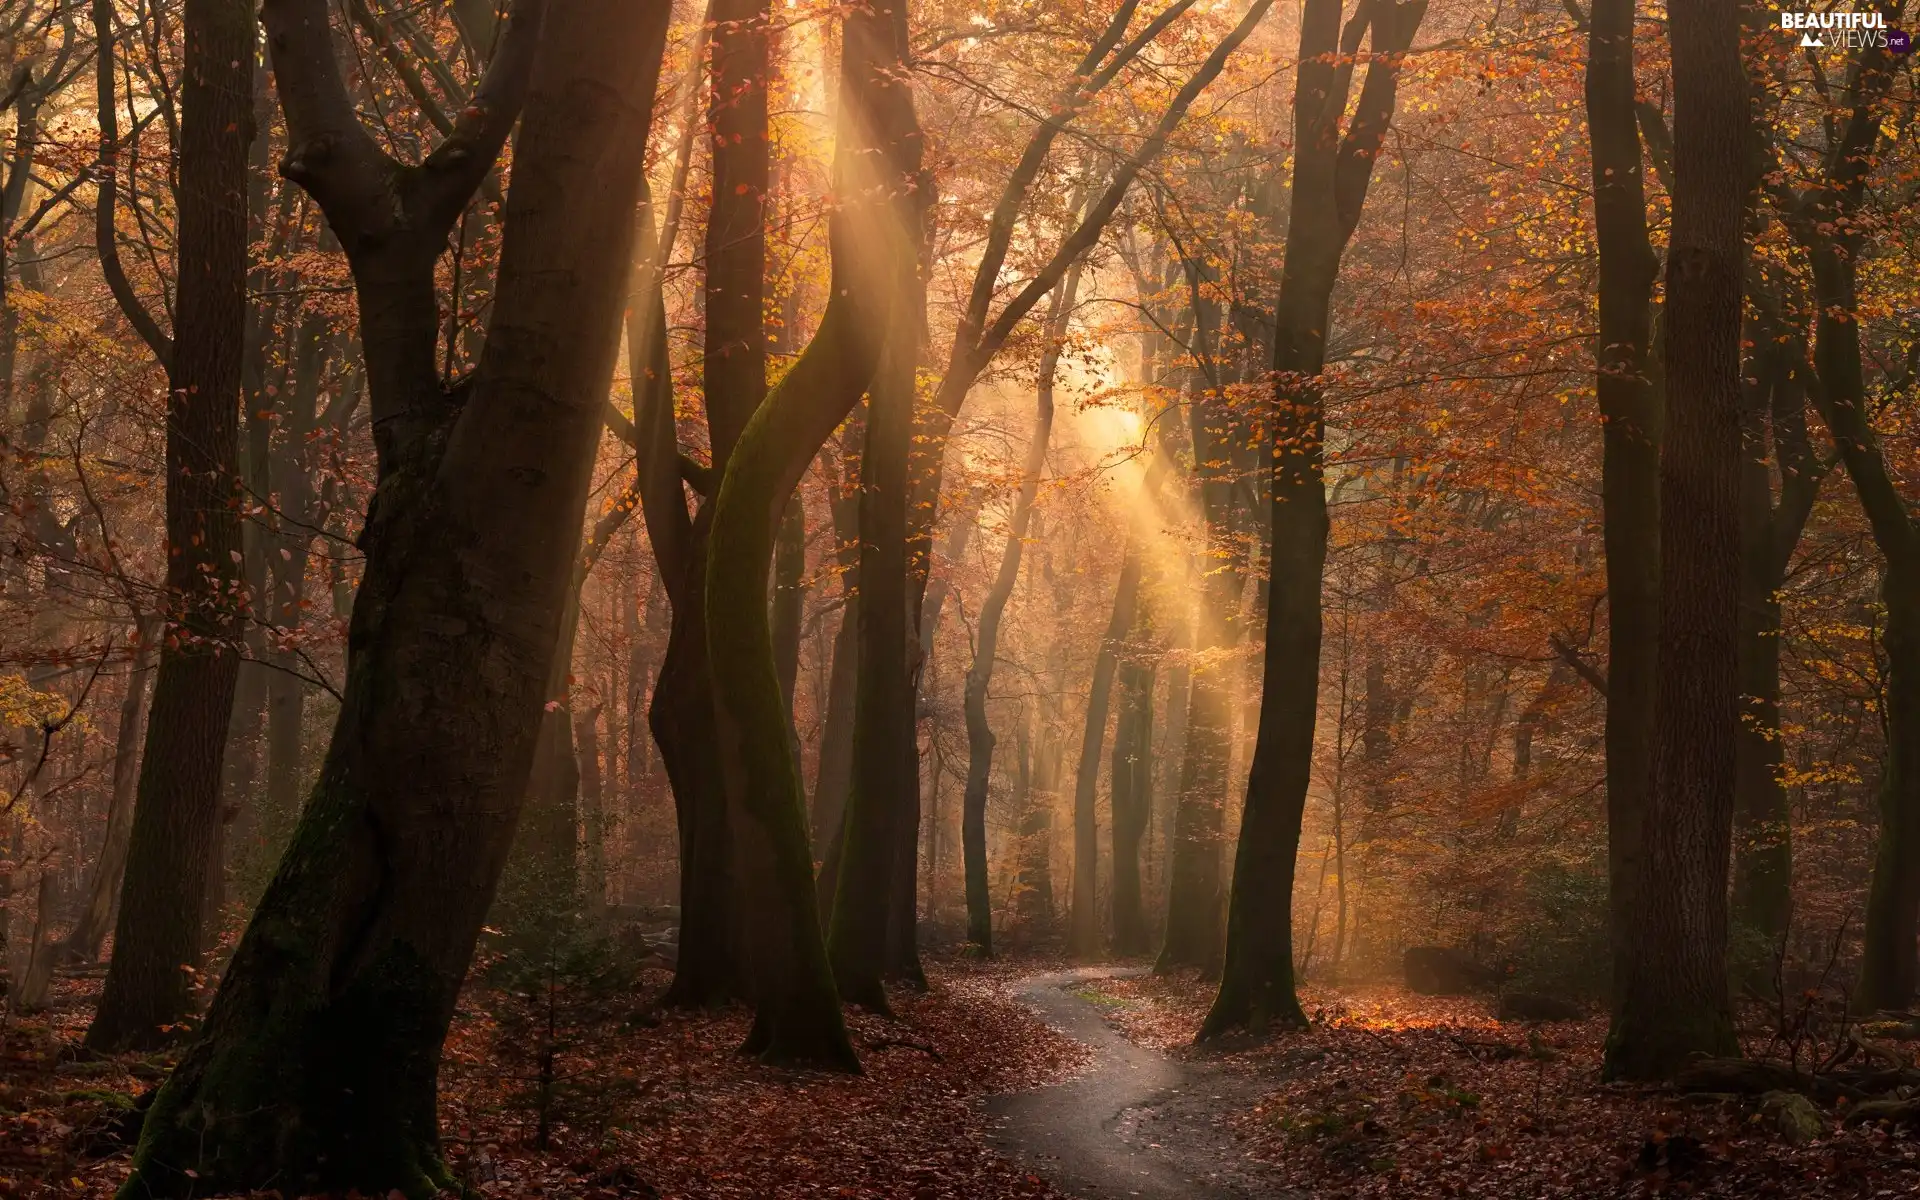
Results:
[883, 804]
[875, 265]
[1132, 791]
[176, 808]
[1676, 1001]
[1083, 918]
[1332, 173]
[834, 772]
[316, 1068]
[1630, 463]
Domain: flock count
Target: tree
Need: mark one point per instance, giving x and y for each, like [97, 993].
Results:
[1824, 219]
[316, 1067]
[986, 640]
[176, 808]
[866, 331]
[882, 813]
[1332, 171]
[1630, 480]
[1674, 1001]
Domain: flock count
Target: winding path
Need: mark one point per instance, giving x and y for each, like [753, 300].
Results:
[1138, 1123]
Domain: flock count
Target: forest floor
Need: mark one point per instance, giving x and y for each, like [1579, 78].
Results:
[1008, 1080]
[1391, 1094]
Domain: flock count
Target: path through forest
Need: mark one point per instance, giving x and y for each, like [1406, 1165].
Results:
[1137, 1123]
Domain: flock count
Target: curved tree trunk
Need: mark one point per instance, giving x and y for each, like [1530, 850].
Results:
[1329, 187]
[878, 156]
[176, 808]
[316, 1068]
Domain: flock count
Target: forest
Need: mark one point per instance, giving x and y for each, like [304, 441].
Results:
[959, 598]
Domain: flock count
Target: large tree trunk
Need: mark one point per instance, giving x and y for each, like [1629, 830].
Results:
[1888, 973]
[1676, 1001]
[177, 806]
[103, 885]
[1630, 463]
[316, 1068]
[1330, 180]
[709, 970]
[878, 159]
[883, 804]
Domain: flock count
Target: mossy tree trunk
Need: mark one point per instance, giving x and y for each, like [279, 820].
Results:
[176, 807]
[316, 1068]
[1675, 1002]
[1332, 172]
[873, 241]
[883, 804]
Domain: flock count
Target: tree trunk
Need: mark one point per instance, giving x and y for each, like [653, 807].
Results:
[986, 645]
[883, 805]
[1676, 1001]
[316, 1068]
[1823, 219]
[1132, 791]
[873, 243]
[176, 808]
[789, 595]
[103, 886]
[593, 815]
[1331, 177]
[1083, 924]
[834, 773]
[1887, 976]
[709, 970]
[1763, 834]
[1630, 463]
[1194, 892]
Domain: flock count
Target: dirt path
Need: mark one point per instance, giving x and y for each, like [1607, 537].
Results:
[1138, 1123]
